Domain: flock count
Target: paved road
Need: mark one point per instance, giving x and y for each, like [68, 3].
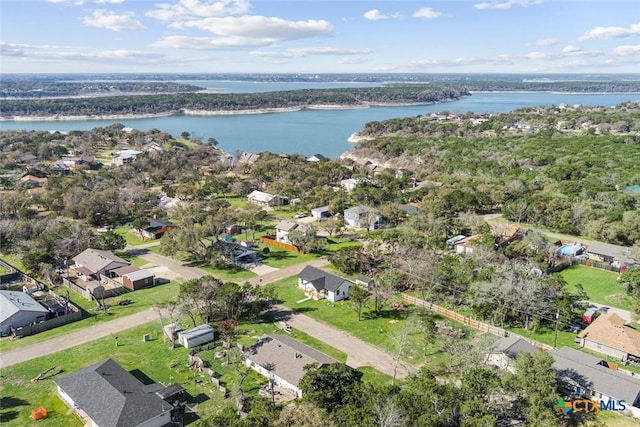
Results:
[176, 267]
[76, 338]
[625, 314]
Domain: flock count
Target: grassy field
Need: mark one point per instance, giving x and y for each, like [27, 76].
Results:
[133, 239]
[279, 258]
[601, 286]
[141, 300]
[14, 260]
[379, 331]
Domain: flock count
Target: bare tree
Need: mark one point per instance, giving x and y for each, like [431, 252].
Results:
[387, 413]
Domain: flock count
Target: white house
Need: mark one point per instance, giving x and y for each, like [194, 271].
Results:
[282, 359]
[363, 217]
[320, 212]
[319, 284]
[261, 198]
[17, 309]
[283, 228]
[196, 336]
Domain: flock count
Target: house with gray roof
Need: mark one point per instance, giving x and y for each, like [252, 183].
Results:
[363, 217]
[95, 262]
[18, 309]
[106, 395]
[591, 377]
[503, 351]
[319, 284]
[283, 228]
[282, 359]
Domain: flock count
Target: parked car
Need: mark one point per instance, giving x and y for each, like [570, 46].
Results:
[300, 215]
[590, 315]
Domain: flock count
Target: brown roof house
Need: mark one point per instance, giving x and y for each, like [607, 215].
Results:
[106, 395]
[95, 262]
[609, 334]
[282, 359]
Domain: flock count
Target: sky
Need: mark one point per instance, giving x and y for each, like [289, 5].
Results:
[302, 36]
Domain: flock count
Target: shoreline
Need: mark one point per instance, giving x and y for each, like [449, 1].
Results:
[188, 112]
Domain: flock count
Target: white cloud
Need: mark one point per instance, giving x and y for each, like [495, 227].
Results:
[571, 49]
[53, 53]
[189, 9]
[508, 4]
[312, 51]
[75, 2]
[427, 13]
[261, 27]
[611, 32]
[541, 55]
[112, 21]
[208, 43]
[547, 42]
[351, 60]
[627, 50]
[108, 1]
[374, 15]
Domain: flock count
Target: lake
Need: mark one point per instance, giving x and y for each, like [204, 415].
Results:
[309, 132]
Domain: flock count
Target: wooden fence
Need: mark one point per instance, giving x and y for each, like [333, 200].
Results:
[472, 323]
[281, 245]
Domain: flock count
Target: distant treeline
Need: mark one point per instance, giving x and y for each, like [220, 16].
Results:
[59, 89]
[178, 102]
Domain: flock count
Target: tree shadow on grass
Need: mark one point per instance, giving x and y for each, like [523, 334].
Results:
[10, 402]
[7, 416]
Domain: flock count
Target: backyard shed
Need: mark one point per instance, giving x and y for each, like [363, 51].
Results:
[196, 336]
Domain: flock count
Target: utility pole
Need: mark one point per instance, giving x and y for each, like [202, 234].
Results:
[555, 339]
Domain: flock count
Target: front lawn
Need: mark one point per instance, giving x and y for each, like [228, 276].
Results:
[279, 258]
[382, 331]
[132, 238]
[601, 286]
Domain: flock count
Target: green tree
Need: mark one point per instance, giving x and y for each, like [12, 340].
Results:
[330, 386]
[358, 297]
[536, 382]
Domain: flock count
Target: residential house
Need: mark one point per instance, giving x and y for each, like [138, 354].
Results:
[34, 179]
[95, 262]
[27, 159]
[320, 213]
[319, 284]
[282, 359]
[18, 309]
[106, 395]
[59, 168]
[266, 200]
[615, 255]
[134, 278]
[350, 184]
[283, 228]
[316, 158]
[73, 162]
[409, 209]
[194, 337]
[505, 350]
[591, 377]
[234, 253]
[156, 228]
[363, 217]
[248, 158]
[465, 245]
[365, 282]
[609, 334]
[123, 157]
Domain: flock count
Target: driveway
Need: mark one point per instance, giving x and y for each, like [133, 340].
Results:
[359, 353]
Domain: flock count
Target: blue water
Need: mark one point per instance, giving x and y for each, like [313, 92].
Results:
[309, 132]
